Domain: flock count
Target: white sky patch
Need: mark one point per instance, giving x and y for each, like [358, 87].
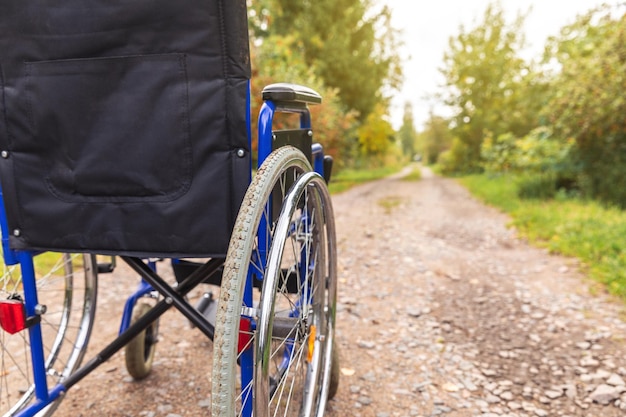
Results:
[428, 25]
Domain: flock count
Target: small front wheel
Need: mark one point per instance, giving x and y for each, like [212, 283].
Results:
[140, 350]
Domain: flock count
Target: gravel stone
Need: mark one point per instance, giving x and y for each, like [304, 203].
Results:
[553, 394]
[366, 344]
[365, 400]
[615, 380]
[604, 394]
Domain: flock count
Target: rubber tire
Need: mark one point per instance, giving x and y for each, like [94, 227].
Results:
[235, 272]
[335, 372]
[140, 350]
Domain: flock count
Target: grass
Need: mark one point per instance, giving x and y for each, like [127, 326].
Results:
[47, 265]
[500, 192]
[347, 179]
[414, 175]
[48, 261]
[389, 203]
[587, 230]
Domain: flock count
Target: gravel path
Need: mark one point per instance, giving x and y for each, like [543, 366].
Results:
[445, 313]
[442, 312]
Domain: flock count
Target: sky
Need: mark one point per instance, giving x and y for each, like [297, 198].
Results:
[427, 27]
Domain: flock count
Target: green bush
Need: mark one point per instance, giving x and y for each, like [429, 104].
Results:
[499, 154]
[604, 174]
[457, 159]
[539, 186]
[587, 102]
[541, 163]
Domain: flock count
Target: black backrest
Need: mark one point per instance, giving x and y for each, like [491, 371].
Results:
[123, 124]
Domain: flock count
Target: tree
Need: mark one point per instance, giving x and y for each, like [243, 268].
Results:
[491, 88]
[277, 60]
[351, 47]
[588, 103]
[435, 138]
[407, 133]
[376, 135]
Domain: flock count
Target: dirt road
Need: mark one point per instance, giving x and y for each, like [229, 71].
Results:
[443, 312]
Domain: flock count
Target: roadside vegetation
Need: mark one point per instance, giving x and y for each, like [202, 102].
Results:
[545, 139]
[415, 173]
[297, 42]
[348, 178]
[585, 229]
[556, 122]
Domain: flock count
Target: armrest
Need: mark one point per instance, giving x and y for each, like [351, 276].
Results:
[291, 93]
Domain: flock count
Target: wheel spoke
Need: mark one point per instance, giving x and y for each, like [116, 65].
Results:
[66, 286]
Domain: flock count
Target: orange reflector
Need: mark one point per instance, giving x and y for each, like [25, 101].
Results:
[12, 316]
[312, 335]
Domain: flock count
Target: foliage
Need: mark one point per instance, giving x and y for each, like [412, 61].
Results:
[277, 60]
[588, 103]
[585, 229]
[542, 186]
[542, 163]
[407, 134]
[499, 154]
[376, 135]
[459, 158]
[537, 152]
[350, 46]
[434, 139]
[491, 89]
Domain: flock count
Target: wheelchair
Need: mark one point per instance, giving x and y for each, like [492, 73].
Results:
[125, 135]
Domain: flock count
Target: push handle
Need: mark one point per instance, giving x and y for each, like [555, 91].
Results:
[291, 93]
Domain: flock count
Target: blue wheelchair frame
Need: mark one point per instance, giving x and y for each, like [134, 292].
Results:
[150, 282]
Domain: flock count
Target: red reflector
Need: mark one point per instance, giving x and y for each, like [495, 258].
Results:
[245, 335]
[12, 316]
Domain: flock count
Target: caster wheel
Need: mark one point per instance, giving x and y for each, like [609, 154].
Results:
[140, 350]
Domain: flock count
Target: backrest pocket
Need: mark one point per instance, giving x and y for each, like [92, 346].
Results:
[115, 129]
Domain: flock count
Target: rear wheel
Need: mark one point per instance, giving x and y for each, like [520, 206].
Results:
[66, 289]
[281, 335]
[334, 373]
